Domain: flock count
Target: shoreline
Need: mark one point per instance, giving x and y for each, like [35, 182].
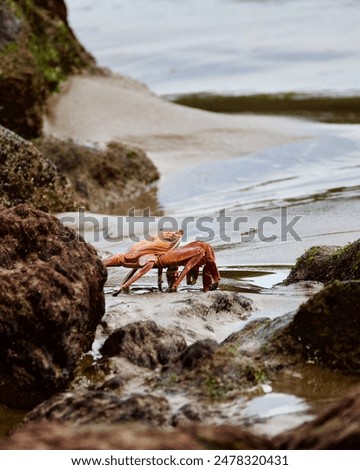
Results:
[320, 107]
[95, 109]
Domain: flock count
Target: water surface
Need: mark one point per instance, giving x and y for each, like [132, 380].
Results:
[227, 46]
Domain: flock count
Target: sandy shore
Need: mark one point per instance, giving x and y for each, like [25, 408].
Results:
[98, 109]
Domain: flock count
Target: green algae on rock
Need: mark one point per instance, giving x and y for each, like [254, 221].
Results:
[327, 263]
[328, 326]
[101, 179]
[38, 50]
[28, 177]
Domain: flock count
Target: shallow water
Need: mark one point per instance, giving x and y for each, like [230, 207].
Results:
[231, 46]
[320, 167]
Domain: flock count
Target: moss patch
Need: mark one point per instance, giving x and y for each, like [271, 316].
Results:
[101, 179]
[327, 263]
[38, 50]
[332, 109]
[27, 177]
[328, 326]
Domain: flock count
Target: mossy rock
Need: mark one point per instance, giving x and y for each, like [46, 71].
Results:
[328, 326]
[102, 178]
[327, 263]
[38, 50]
[27, 177]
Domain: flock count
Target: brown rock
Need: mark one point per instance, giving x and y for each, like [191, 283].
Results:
[103, 179]
[145, 344]
[338, 428]
[38, 50]
[51, 300]
[27, 177]
[327, 263]
[52, 435]
[95, 407]
[328, 326]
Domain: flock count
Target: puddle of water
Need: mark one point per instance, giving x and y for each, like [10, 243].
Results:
[275, 412]
[256, 277]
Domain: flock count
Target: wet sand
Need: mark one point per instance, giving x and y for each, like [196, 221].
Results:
[98, 109]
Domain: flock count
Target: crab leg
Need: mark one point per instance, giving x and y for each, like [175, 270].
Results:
[188, 256]
[147, 262]
[160, 281]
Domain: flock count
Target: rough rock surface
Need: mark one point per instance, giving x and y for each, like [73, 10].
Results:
[207, 370]
[50, 435]
[337, 428]
[38, 50]
[102, 179]
[328, 326]
[94, 407]
[51, 300]
[27, 177]
[145, 344]
[327, 263]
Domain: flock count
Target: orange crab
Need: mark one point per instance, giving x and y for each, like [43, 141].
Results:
[161, 252]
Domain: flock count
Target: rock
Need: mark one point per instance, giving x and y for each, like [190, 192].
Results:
[328, 326]
[187, 414]
[38, 50]
[327, 263]
[207, 370]
[27, 177]
[103, 179]
[198, 352]
[220, 303]
[325, 330]
[145, 344]
[53, 435]
[235, 303]
[51, 301]
[337, 428]
[95, 407]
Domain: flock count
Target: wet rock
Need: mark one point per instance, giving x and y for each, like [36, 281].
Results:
[186, 415]
[51, 301]
[223, 302]
[27, 177]
[52, 435]
[325, 330]
[269, 343]
[327, 263]
[103, 179]
[207, 370]
[328, 326]
[145, 344]
[38, 50]
[197, 353]
[116, 383]
[338, 428]
[219, 303]
[95, 407]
